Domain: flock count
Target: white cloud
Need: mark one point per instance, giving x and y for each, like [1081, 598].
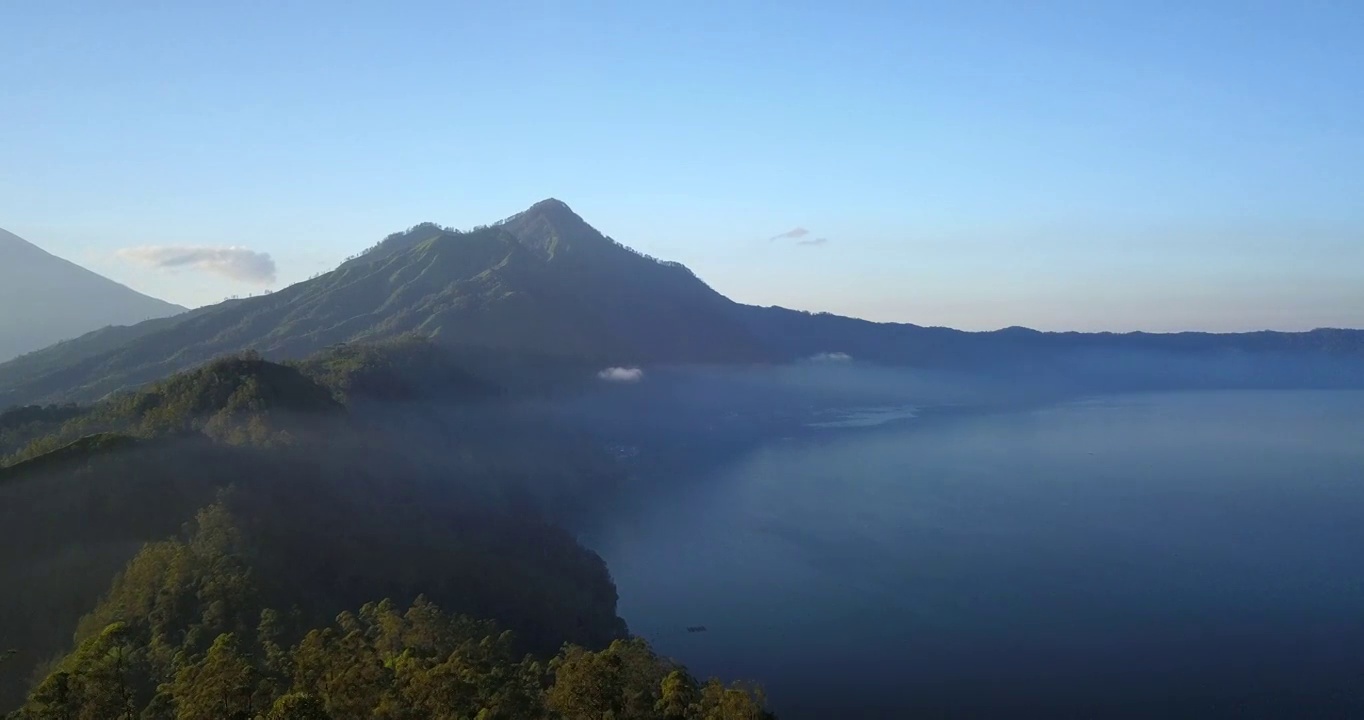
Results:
[237, 263]
[812, 242]
[831, 357]
[621, 374]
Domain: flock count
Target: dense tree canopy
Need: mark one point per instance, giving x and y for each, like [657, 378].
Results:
[184, 635]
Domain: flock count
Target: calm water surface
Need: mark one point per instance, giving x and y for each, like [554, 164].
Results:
[1175, 554]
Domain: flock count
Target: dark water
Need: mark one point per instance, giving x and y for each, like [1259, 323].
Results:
[1170, 555]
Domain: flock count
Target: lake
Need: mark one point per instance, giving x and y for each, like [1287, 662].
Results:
[1167, 554]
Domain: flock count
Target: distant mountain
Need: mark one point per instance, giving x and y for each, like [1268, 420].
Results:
[544, 284]
[1326, 357]
[44, 299]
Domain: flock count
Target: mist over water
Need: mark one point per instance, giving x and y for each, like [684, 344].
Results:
[946, 550]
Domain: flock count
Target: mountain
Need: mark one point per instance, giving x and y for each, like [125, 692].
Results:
[544, 285]
[540, 283]
[48, 299]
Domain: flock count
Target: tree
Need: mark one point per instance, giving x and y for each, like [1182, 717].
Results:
[55, 698]
[106, 678]
[111, 673]
[735, 702]
[298, 706]
[223, 685]
[623, 682]
[270, 635]
[344, 671]
[679, 698]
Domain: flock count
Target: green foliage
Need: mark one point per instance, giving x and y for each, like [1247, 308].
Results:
[382, 663]
[52, 450]
[404, 368]
[220, 397]
[414, 487]
[107, 677]
[240, 399]
[68, 523]
[172, 641]
[617, 682]
[223, 683]
[183, 595]
[627, 681]
[21, 425]
[298, 706]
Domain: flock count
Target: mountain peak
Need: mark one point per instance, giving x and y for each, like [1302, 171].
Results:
[554, 211]
[550, 227]
[551, 205]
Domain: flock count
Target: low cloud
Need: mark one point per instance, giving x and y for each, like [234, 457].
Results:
[621, 374]
[792, 234]
[236, 263]
[831, 357]
[813, 242]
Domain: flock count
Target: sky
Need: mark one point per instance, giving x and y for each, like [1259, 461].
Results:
[1060, 165]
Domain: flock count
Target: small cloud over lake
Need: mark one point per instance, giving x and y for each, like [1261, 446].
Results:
[621, 374]
[831, 357]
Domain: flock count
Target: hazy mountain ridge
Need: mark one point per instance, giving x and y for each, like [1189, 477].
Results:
[1102, 361]
[545, 283]
[58, 299]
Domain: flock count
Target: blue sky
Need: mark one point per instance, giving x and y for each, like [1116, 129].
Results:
[1062, 165]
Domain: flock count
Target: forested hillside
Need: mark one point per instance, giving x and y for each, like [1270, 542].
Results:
[359, 474]
[185, 632]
